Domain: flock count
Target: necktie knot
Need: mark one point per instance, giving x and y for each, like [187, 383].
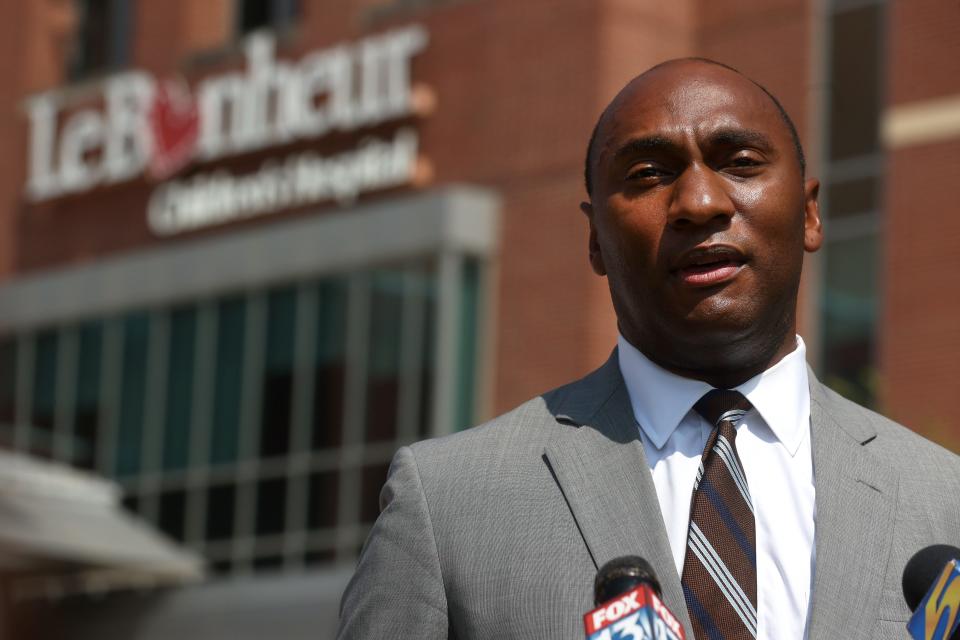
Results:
[722, 405]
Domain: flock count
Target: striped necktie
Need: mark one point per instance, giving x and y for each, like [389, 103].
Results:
[720, 566]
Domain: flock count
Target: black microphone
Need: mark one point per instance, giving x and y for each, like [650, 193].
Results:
[621, 575]
[921, 575]
[627, 601]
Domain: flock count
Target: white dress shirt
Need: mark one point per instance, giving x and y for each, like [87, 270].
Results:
[773, 441]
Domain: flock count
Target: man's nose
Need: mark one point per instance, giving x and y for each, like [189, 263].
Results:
[699, 197]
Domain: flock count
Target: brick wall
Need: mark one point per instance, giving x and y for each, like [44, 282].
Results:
[920, 334]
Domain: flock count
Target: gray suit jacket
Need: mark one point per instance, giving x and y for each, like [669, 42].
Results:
[497, 532]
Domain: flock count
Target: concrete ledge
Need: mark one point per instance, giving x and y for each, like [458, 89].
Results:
[922, 122]
[455, 219]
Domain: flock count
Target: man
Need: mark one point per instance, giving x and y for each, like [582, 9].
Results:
[788, 512]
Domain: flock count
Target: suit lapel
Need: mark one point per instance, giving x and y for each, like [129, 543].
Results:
[603, 473]
[855, 498]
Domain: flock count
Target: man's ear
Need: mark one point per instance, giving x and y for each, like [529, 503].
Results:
[595, 255]
[812, 227]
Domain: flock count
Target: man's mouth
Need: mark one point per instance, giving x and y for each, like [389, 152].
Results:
[709, 266]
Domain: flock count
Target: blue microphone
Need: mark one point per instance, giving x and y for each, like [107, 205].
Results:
[931, 587]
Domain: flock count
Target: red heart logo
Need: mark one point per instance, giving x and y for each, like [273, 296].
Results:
[175, 124]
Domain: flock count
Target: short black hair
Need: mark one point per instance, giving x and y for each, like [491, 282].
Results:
[588, 173]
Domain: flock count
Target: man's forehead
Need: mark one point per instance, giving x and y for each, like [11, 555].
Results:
[671, 92]
[688, 90]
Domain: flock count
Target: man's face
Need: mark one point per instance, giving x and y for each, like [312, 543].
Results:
[699, 219]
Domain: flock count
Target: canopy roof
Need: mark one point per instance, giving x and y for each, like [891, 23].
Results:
[66, 527]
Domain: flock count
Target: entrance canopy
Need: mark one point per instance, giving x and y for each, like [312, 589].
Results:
[65, 530]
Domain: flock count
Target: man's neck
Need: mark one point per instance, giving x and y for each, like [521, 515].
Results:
[728, 375]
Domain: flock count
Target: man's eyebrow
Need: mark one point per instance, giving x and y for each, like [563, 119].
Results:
[645, 144]
[726, 137]
[739, 138]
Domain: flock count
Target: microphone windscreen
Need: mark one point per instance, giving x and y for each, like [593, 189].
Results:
[923, 569]
[621, 575]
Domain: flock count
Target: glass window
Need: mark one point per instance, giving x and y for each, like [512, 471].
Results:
[416, 353]
[220, 567]
[850, 317]
[180, 372]
[228, 380]
[221, 505]
[266, 14]
[173, 513]
[855, 96]
[8, 390]
[271, 505]
[468, 340]
[277, 395]
[131, 503]
[322, 501]
[325, 556]
[853, 197]
[429, 291]
[268, 562]
[44, 393]
[383, 365]
[850, 291]
[86, 412]
[133, 389]
[328, 379]
[101, 42]
[103, 369]
[373, 478]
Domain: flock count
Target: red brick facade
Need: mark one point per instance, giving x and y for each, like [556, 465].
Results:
[921, 336]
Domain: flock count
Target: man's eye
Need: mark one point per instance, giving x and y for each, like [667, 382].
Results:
[641, 173]
[744, 161]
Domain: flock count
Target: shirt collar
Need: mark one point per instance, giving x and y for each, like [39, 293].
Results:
[660, 399]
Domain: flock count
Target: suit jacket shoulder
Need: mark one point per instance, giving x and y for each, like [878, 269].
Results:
[506, 454]
[882, 494]
[472, 524]
[530, 426]
[924, 467]
[497, 531]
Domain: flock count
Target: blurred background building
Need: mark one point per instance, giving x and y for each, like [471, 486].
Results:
[249, 248]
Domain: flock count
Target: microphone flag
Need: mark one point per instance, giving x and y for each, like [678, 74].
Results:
[936, 616]
[637, 614]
